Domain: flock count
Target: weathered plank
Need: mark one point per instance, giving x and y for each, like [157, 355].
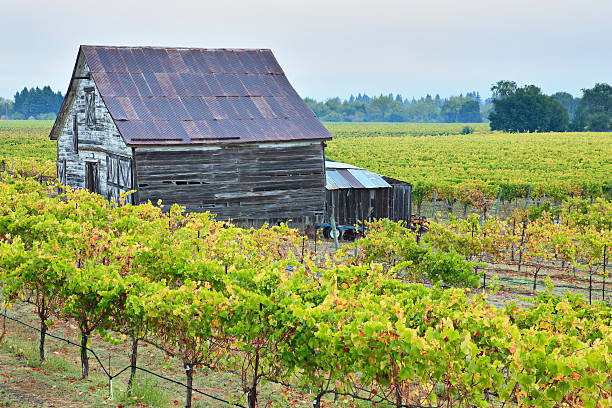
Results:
[246, 181]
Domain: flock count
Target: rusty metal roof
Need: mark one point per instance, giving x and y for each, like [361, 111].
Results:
[188, 95]
[341, 175]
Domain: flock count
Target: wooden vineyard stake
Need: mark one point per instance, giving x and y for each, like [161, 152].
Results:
[603, 287]
[498, 200]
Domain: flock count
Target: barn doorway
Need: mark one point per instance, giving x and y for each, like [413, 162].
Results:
[92, 181]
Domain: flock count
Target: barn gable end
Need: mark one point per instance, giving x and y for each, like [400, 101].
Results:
[98, 152]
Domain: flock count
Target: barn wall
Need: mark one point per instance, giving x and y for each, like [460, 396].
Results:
[100, 143]
[238, 181]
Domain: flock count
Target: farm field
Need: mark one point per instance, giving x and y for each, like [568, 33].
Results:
[557, 164]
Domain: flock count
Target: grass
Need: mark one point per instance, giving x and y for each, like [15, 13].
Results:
[146, 391]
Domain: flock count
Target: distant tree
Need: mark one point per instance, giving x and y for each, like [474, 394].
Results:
[382, 108]
[594, 111]
[503, 88]
[394, 108]
[35, 102]
[6, 108]
[459, 109]
[568, 101]
[525, 109]
[424, 111]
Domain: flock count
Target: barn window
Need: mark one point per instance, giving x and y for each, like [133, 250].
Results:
[92, 181]
[90, 106]
[75, 134]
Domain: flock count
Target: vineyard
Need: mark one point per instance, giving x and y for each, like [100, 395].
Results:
[369, 324]
[460, 169]
[26, 146]
[472, 168]
[387, 129]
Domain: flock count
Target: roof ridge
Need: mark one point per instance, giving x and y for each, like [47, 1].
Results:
[174, 48]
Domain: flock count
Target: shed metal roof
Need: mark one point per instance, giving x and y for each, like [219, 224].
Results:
[189, 95]
[342, 175]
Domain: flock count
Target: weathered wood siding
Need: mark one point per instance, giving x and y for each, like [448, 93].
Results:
[98, 143]
[400, 202]
[354, 205]
[259, 181]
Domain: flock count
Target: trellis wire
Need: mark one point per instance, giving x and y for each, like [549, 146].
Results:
[107, 373]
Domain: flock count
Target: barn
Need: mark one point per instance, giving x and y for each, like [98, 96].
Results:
[218, 130]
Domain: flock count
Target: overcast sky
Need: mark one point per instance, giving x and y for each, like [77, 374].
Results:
[331, 48]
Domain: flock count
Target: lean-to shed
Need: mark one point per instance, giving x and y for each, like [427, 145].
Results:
[213, 130]
[354, 195]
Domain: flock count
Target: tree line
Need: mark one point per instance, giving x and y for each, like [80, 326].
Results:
[511, 108]
[389, 108]
[33, 103]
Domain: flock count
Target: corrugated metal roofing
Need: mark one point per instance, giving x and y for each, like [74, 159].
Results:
[342, 175]
[188, 95]
[334, 180]
[369, 179]
[337, 165]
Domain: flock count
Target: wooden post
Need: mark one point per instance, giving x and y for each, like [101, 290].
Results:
[334, 231]
[433, 211]
[527, 197]
[603, 288]
[189, 375]
[133, 360]
[590, 283]
[522, 245]
[110, 377]
[498, 199]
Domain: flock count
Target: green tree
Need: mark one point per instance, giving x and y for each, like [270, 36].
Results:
[37, 102]
[6, 108]
[595, 109]
[458, 109]
[526, 109]
[568, 101]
